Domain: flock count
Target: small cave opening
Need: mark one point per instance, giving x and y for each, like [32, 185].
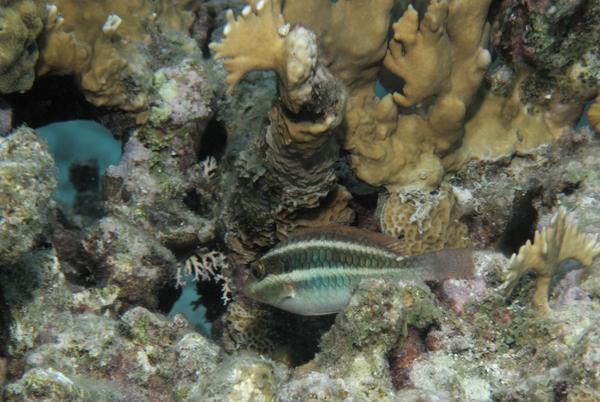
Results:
[522, 222]
[51, 99]
[214, 140]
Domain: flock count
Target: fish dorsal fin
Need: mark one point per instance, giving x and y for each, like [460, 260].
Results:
[350, 233]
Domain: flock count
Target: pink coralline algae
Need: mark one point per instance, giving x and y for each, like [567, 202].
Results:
[183, 92]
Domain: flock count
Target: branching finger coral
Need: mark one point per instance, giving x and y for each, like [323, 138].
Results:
[551, 246]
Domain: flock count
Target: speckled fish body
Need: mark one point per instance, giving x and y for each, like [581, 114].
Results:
[315, 272]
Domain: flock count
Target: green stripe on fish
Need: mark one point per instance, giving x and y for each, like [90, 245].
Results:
[315, 271]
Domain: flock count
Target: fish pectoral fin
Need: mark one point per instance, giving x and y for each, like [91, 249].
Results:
[289, 291]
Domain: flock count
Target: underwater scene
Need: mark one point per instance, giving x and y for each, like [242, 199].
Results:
[300, 200]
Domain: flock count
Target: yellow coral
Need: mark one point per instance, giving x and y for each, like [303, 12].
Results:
[552, 246]
[503, 126]
[423, 221]
[437, 58]
[105, 44]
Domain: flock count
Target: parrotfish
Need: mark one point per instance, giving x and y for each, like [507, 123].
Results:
[315, 271]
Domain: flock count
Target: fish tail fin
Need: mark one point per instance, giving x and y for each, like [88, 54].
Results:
[446, 264]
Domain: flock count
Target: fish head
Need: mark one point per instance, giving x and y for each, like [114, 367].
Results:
[270, 289]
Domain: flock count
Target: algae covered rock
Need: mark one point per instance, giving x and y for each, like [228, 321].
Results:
[148, 187]
[243, 377]
[122, 255]
[27, 180]
[47, 384]
[71, 345]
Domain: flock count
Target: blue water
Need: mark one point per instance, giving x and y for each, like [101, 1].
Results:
[77, 141]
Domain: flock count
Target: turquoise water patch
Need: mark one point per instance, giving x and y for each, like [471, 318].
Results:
[184, 305]
[78, 141]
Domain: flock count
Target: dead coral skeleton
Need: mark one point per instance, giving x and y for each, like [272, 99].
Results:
[209, 266]
[553, 245]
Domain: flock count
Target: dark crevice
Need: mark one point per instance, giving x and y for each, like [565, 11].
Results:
[51, 99]
[570, 188]
[214, 140]
[167, 296]
[85, 177]
[5, 323]
[209, 296]
[522, 222]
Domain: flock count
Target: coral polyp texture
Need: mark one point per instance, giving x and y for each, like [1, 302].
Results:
[424, 221]
[443, 124]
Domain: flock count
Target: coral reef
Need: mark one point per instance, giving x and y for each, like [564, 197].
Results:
[594, 115]
[444, 123]
[21, 22]
[546, 68]
[27, 180]
[112, 47]
[148, 191]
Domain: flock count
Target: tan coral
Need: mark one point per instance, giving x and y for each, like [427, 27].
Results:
[553, 245]
[264, 23]
[437, 58]
[423, 221]
[333, 209]
[106, 45]
[503, 126]
[21, 21]
[352, 35]
[426, 45]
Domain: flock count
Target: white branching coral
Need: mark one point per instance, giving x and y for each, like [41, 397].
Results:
[208, 167]
[553, 245]
[206, 267]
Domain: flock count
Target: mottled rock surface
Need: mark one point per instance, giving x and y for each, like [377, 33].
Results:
[27, 180]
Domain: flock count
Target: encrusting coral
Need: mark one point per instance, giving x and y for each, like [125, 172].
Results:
[551, 246]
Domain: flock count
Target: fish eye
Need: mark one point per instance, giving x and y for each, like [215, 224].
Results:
[258, 270]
